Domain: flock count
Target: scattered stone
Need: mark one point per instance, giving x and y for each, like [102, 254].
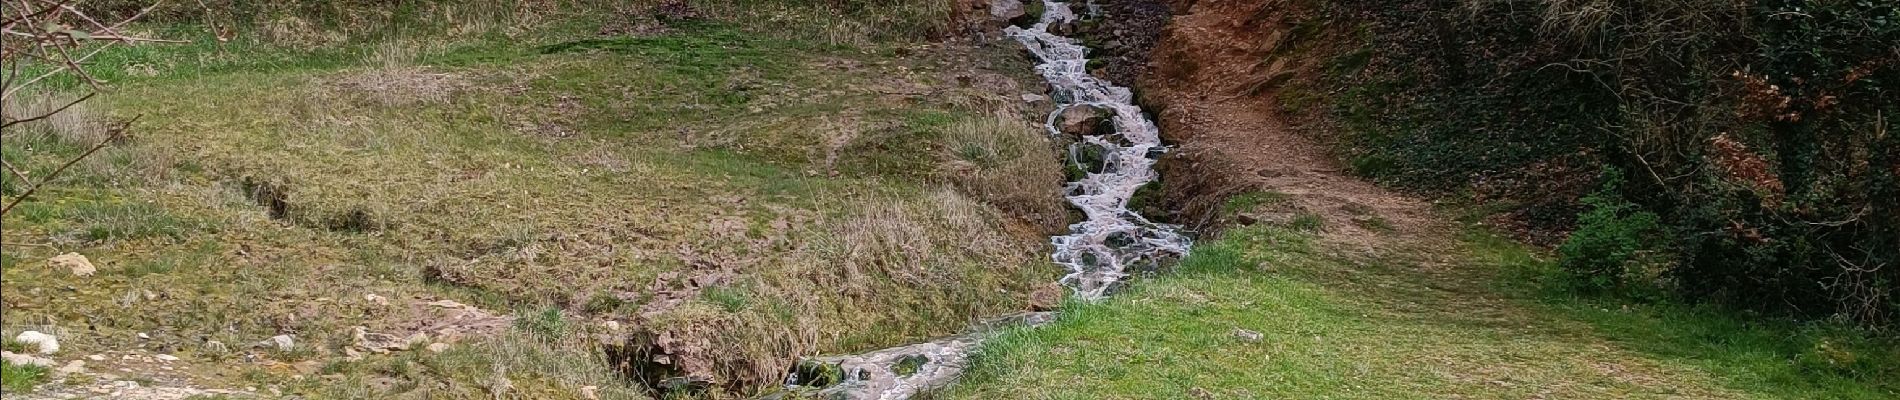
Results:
[216, 347]
[438, 347]
[46, 342]
[279, 342]
[166, 357]
[73, 367]
[378, 342]
[1247, 335]
[26, 359]
[75, 262]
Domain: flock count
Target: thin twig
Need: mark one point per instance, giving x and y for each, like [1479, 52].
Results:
[9, 123]
[116, 134]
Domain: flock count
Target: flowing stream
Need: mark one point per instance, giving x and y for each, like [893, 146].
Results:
[1099, 252]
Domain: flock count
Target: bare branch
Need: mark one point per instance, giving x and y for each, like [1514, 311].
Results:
[114, 136]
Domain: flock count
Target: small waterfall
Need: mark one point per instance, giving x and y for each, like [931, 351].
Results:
[1099, 251]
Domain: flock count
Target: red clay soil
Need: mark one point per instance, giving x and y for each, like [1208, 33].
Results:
[1212, 85]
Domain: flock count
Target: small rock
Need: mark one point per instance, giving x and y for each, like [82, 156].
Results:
[1081, 120]
[611, 325]
[25, 359]
[73, 367]
[587, 392]
[75, 262]
[142, 335]
[1032, 98]
[47, 343]
[96, 357]
[378, 342]
[379, 301]
[438, 347]
[166, 357]
[279, 342]
[1247, 335]
[1005, 10]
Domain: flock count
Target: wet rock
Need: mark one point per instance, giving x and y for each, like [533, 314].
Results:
[812, 373]
[908, 365]
[1247, 335]
[1081, 120]
[47, 344]
[74, 262]
[1007, 10]
[26, 359]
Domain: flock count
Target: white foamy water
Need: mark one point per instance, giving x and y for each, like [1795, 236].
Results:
[1099, 251]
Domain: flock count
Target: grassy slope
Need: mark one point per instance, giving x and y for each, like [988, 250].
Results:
[1469, 320]
[558, 182]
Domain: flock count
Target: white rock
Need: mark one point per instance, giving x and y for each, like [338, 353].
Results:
[166, 357]
[48, 344]
[1034, 98]
[25, 359]
[587, 392]
[96, 357]
[1247, 335]
[379, 301]
[73, 262]
[611, 325]
[142, 335]
[438, 347]
[282, 342]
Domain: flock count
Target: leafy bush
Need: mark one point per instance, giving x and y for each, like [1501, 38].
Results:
[1755, 135]
[1609, 236]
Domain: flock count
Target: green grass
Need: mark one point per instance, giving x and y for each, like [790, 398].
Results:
[1481, 325]
[22, 378]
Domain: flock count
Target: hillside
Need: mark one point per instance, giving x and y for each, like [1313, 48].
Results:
[722, 199]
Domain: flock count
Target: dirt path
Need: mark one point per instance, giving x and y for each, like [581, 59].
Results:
[1214, 86]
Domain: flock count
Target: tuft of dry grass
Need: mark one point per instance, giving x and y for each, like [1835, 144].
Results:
[1006, 162]
[78, 125]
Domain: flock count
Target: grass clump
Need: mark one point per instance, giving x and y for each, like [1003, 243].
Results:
[18, 379]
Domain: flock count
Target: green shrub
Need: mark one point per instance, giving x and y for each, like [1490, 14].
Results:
[1609, 236]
